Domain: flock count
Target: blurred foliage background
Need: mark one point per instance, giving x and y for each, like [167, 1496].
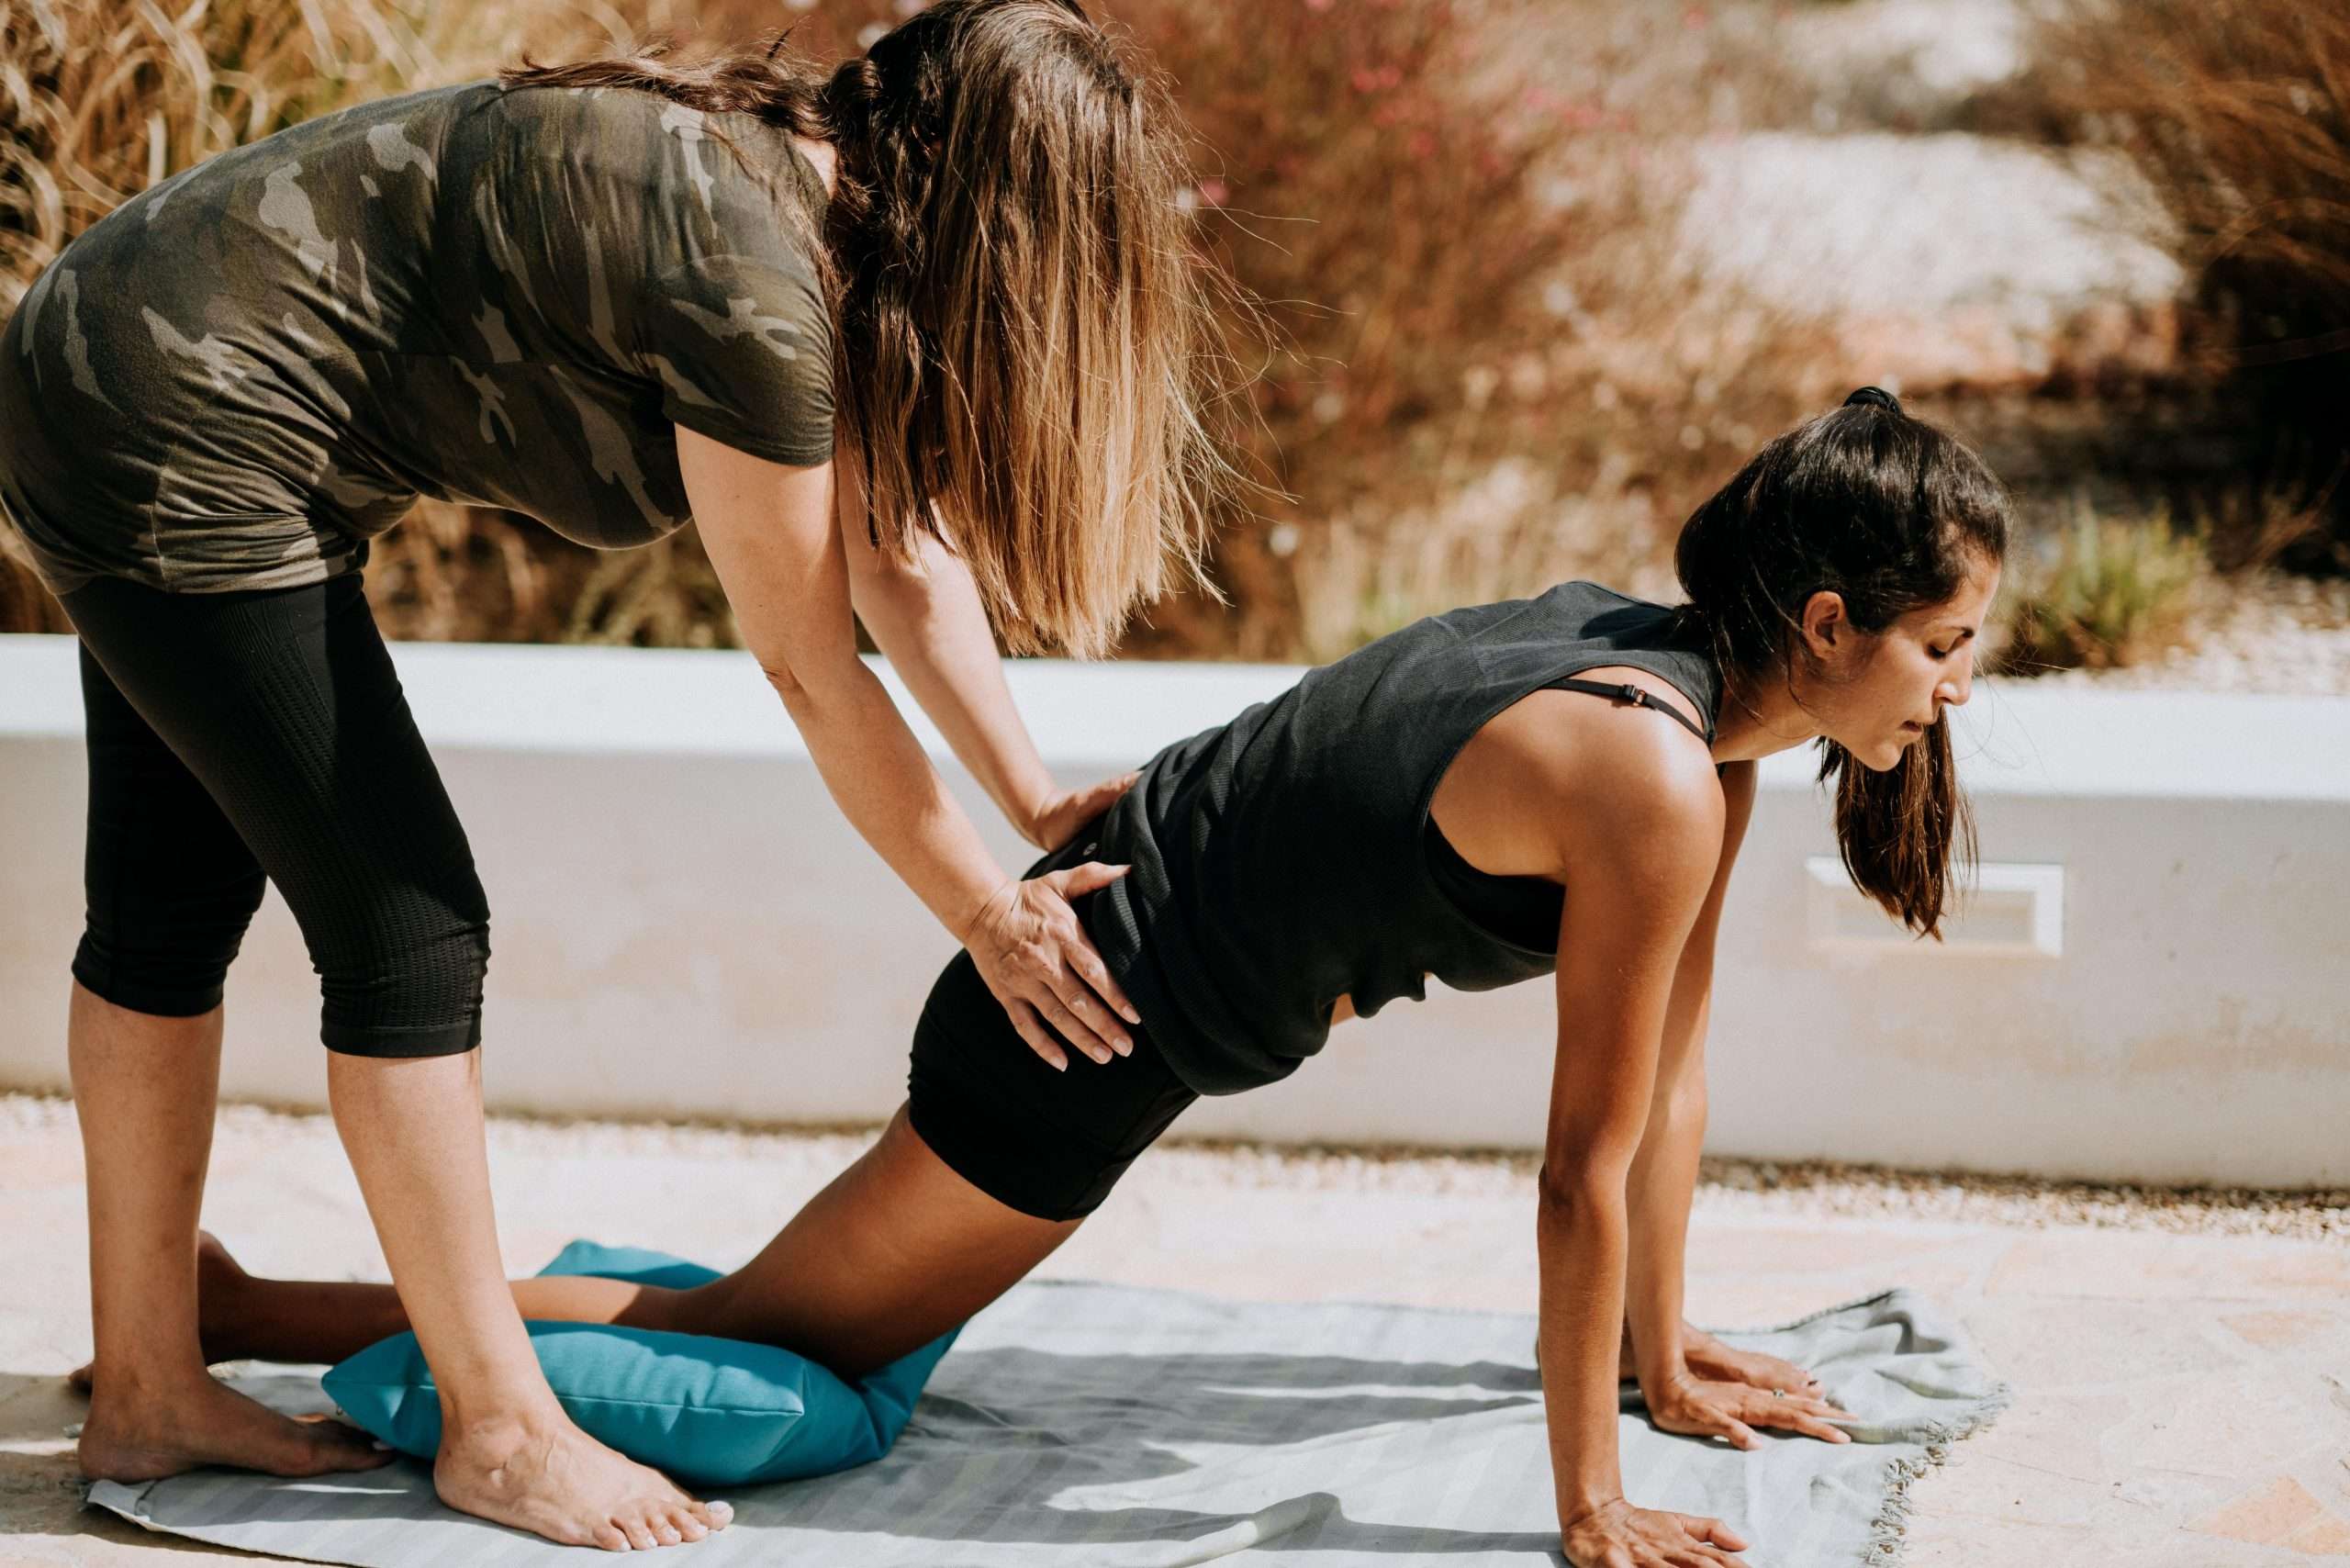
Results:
[1540, 274]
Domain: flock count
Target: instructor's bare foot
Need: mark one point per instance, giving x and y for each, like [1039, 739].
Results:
[137, 1434]
[553, 1480]
[218, 1309]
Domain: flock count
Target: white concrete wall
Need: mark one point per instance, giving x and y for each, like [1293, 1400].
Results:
[683, 924]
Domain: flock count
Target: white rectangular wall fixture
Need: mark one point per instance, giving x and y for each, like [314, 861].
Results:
[2010, 910]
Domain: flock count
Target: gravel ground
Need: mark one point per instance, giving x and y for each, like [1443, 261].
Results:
[1728, 1188]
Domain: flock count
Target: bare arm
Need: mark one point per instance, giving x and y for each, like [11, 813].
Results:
[770, 533]
[1642, 820]
[1690, 1382]
[1663, 1176]
[927, 616]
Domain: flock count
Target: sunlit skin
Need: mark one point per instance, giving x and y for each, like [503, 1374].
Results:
[1875, 695]
[1602, 795]
[1592, 793]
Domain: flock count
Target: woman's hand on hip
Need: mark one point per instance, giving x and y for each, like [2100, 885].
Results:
[1035, 956]
[1055, 819]
[1701, 1407]
[1618, 1534]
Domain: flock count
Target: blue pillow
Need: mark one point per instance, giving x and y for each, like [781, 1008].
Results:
[719, 1412]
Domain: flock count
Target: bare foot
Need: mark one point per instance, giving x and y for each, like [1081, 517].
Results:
[217, 1277]
[556, 1480]
[139, 1435]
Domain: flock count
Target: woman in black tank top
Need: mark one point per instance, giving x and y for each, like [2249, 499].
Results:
[1551, 785]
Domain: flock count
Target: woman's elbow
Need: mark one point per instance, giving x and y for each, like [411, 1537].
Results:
[807, 689]
[785, 680]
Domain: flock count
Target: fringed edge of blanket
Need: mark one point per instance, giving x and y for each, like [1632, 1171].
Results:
[1889, 1530]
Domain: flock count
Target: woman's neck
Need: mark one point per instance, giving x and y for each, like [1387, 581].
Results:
[1757, 718]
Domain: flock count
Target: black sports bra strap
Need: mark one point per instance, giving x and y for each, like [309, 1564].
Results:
[1625, 691]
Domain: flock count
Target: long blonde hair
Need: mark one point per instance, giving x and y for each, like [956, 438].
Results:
[1027, 362]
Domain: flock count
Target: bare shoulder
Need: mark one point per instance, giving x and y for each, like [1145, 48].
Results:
[1643, 796]
[1563, 779]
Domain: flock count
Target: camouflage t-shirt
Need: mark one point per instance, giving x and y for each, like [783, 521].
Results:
[237, 378]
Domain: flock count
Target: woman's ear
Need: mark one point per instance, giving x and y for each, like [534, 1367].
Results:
[1823, 621]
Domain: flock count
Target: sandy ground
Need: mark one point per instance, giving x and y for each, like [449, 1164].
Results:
[2182, 1363]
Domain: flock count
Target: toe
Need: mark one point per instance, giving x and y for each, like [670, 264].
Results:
[640, 1536]
[610, 1538]
[688, 1527]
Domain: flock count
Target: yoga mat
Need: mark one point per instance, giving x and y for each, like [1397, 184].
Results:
[1114, 1427]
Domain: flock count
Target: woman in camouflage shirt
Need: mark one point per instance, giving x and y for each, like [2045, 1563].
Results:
[923, 336]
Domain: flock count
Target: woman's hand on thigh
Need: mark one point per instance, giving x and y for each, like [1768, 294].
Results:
[1033, 951]
[1056, 818]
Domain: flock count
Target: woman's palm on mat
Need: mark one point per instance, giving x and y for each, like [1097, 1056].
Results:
[1621, 1536]
[1703, 1407]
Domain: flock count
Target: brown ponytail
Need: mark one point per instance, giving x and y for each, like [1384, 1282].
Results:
[1889, 513]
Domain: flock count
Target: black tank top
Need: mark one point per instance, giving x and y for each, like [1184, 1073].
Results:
[1283, 860]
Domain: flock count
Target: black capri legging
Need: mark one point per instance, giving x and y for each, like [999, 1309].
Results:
[234, 735]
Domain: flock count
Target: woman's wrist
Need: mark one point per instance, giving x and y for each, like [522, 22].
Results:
[1573, 1509]
[1659, 1355]
[968, 927]
[1026, 796]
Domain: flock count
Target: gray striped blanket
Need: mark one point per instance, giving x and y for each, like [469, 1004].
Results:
[1086, 1424]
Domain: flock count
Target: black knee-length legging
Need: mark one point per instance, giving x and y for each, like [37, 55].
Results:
[238, 736]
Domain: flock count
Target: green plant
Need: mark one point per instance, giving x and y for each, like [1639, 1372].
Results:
[2114, 593]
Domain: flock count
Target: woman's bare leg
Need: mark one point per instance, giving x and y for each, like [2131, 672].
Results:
[144, 1090]
[893, 1252]
[412, 1128]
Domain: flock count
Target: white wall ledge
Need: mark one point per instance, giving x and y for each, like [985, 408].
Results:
[683, 924]
[2013, 738]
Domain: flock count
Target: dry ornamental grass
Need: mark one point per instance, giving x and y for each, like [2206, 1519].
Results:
[1479, 364]
[2237, 113]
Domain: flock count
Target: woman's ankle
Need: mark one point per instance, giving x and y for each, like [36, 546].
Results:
[147, 1377]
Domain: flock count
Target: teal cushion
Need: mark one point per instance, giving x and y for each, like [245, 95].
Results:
[722, 1412]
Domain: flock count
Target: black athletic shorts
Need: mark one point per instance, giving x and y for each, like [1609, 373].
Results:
[1047, 1143]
